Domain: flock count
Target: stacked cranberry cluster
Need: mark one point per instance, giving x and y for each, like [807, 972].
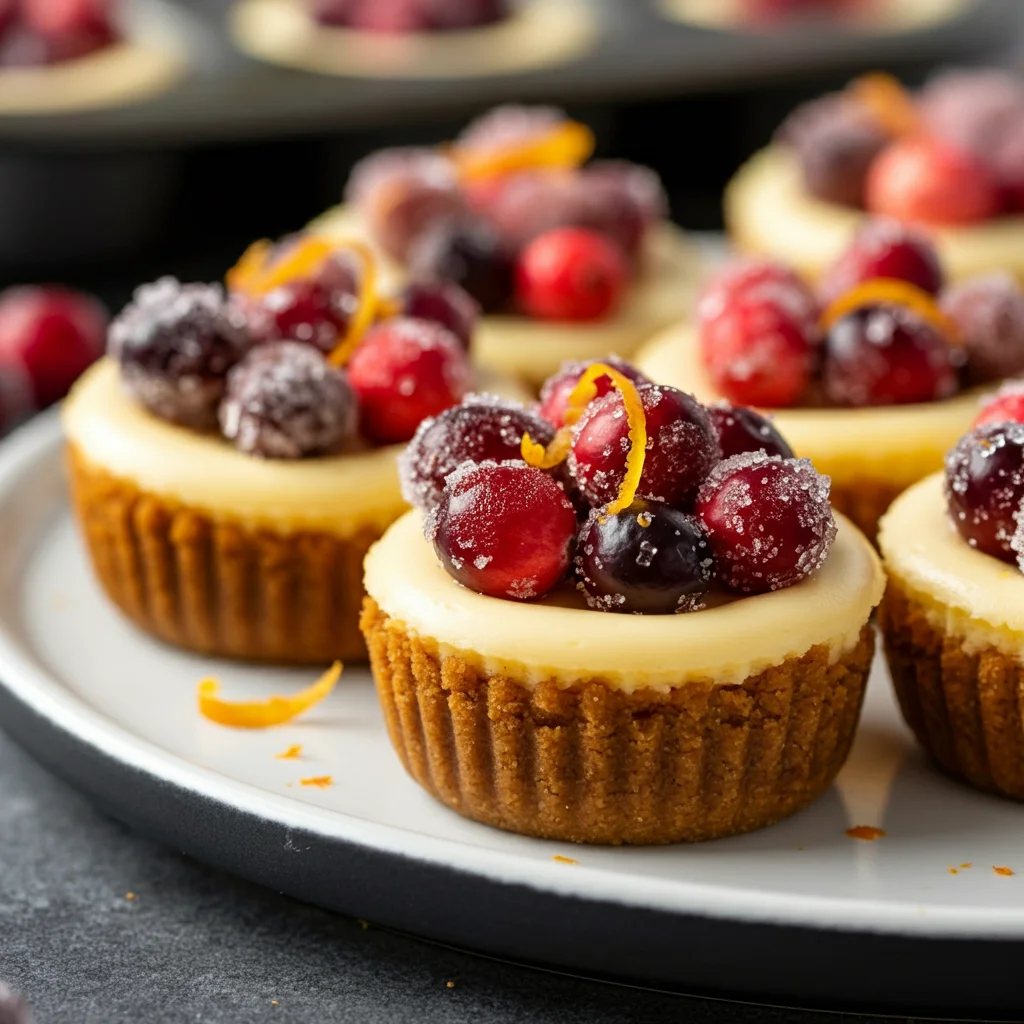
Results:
[881, 329]
[397, 17]
[509, 213]
[34, 32]
[954, 154]
[719, 497]
[262, 365]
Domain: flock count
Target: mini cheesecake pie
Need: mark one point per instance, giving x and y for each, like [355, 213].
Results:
[951, 619]
[567, 260]
[873, 378]
[516, 695]
[414, 38]
[949, 160]
[233, 458]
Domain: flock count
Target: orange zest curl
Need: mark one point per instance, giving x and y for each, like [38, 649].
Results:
[567, 145]
[547, 458]
[320, 781]
[261, 714]
[894, 292]
[258, 272]
[369, 305]
[887, 101]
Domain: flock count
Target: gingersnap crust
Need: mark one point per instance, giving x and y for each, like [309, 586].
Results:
[218, 586]
[595, 764]
[962, 700]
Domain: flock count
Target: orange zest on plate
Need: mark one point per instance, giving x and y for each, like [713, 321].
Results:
[565, 146]
[261, 714]
[866, 832]
[291, 754]
[1004, 871]
[888, 102]
[320, 781]
[891, 291]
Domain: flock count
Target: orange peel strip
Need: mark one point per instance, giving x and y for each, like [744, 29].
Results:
[261, 714]
[895, 292]
[546, 458]
[367, 309]
[320, 781]
[257, 273]
[887, 101]
[566, 145]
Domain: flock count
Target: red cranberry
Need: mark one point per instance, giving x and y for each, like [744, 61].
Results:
[444, 303]
[525, 204]
[65, 18]
[761, 280]
[989, 311]
[768, 520]
[570, 274]
[681, 447]
[483, 428]
[1005, 406]
[509, 126]
[606, 205]
[404, 371]
[985, 487]
[648, 559]
[884, 248]
[503, 529]
[445, 15]
[8, 15]
[924, 180]
[641, 186]
[741, 429]
[555, 391]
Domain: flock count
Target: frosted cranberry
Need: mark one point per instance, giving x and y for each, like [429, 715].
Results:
[8, 15]
[570, 274]
[776, 10]
[681, 447]
[989, 311]
[924, 180]
[887, 355]
[1005, 406]
[985, 487]
[768, 520]
[740, 429]
[54, 333]
[389, 17]
[22, 46]
[503, 529]
[972, 109]
[445, 15]
[56, 18]
[444, 303]
[648, 559]
[640, 185]
[606, 205]
[884, 248]
[555, 391]
[526, 204]
[509, 125]
[483, 428]
[404, 371]
[757, 279]
[13, 1009]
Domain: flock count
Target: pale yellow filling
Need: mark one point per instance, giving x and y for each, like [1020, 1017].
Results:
[768, 210]
[559, 637]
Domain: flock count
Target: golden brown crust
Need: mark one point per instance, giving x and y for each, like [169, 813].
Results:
[221, 587]
[865, 503]
[590, 763]
[965, 706]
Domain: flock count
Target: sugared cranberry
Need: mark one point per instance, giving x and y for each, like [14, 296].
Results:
[681, 447]
[1005, 406]
[509, 126]
[445, 15]
[525, 204]
[570, 274]
[923, 180]
[972, 109]
[8, 15]
[741, 429]
[54, 333]
[65, 18]
[887, 355]
[989, 311]
[285, 401]
[404, 371]
[985, 487]
[770, 11]
[759, 280]
[555, 391]
[176, 343]
[768, 520]
[388, 17]
[469, 252]
[444, 303]
[640, 185]
[503, 529]
[21, 46]
[13, 1009]
[884, 248]
[649, 559]
[483, 428]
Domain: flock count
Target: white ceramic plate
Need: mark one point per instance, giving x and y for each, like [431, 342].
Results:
[800, 910]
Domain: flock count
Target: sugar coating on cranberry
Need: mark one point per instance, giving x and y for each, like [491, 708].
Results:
[742, 429]
[285, 401]
[509, 126]
[503, 529]
[648, 559]
[761, 281]
[483, 428]
[555, 391]
[768, 519]
[984, 487]
[972, 109]
[175, 344]
[1005, 406]
[445, 303]
[681, 447]
[989, 312]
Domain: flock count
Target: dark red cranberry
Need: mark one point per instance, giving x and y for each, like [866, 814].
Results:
[503, 529]
[972, 109]
[13, 1009]
[176, 343]
[483, 428]
[285, 401]
[445, 15]
[444, 303]
[985, 487]
[8, 16]
[469, 252]
[989, 311]
[523, 205]
[404, 371]
[741, 429]
[555, 391]
[52, 18]
[508, 126]
[681, 447]
[22, 46]
[606, 205]
[768, 520]
[1005, 406]
[887, 355]
[641, 186]
[54, 333]
[759, 280]
[388, 17]
[884, 248]
[649, 559]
